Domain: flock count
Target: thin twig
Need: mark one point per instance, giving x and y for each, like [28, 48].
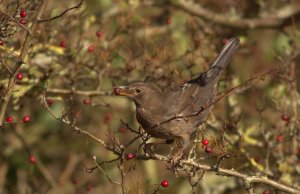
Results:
[17, 22]
[6, 67]
[77, 129]
[108, 178]
[63, 13]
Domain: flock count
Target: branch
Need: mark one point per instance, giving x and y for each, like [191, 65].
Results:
[77, 129]
[57, 91]
[249, 180]
[278, 19]
[63, 13]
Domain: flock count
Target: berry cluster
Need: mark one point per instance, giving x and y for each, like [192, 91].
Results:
[23, 14]
[207, 148]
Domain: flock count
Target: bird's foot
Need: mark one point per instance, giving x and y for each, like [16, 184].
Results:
[149, 149]
[175, 159]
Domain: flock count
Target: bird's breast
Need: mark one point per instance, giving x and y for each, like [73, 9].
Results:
[144, 118]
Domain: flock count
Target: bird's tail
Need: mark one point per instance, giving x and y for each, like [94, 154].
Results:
[222, 60]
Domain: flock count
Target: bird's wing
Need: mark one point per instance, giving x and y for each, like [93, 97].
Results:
[190, 98]
[199, 93]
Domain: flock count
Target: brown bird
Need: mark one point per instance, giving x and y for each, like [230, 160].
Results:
[176, 114]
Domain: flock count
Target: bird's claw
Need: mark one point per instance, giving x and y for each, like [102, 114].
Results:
[175, 159]
[149, 149]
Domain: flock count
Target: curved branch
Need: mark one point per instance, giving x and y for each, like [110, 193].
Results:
[278, 19]
[62, 13]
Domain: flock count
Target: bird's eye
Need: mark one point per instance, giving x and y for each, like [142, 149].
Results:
[138, 90]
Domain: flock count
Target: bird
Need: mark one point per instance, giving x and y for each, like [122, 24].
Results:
[178, 112]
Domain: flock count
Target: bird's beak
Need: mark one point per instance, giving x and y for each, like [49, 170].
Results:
[122, 91]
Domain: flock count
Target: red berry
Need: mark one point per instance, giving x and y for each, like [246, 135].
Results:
[257, 159]
[22, 21]
[164, 183]
[1, 42]
[87, 101]
[74, 181]
[50, 102]
[9, 119]
[26, 119]
[266, 192]
[91, 48]
[63, 44]
[19, 76]
[107, 118]
[285, 118]
[99, 34]
[279, 138]
[23, 14]
[122, 129]
[89, 187]
[130, 156]
[208, 149]
[117, 91]
[168, 21]
[205, 142]
[32, 159]
[230, 126]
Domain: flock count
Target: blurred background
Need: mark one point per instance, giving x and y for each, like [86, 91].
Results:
[80, 50]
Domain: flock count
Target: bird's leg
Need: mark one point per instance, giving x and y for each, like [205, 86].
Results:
[183, 151]
[144, 139]
[149, 148]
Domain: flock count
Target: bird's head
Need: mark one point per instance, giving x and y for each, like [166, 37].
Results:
[140, 93]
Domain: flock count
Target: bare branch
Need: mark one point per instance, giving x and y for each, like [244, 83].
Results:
[57, 91]
[273, 21]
